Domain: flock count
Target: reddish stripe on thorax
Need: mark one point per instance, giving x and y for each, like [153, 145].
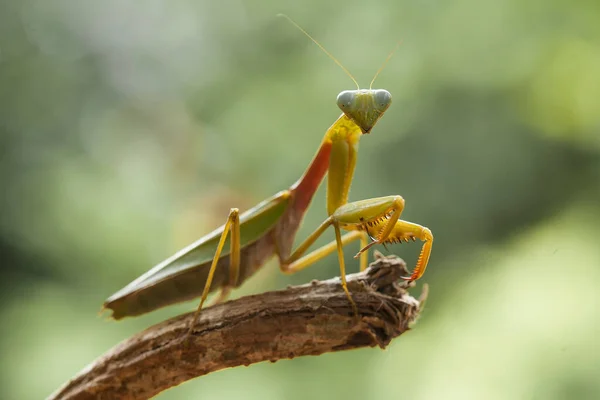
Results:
[305, 188]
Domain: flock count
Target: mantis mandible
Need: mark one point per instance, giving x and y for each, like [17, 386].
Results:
[230, 254]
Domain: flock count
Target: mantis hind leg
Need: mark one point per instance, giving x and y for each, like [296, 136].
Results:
[232, 225]
[223, 295]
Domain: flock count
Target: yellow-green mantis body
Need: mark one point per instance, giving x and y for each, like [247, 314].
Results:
[230, 254]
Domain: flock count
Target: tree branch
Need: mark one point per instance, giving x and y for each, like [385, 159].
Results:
[310, 319]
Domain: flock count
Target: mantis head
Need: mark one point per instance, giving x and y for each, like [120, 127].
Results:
[364, 107]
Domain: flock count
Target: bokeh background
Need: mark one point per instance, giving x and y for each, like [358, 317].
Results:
[129, 128]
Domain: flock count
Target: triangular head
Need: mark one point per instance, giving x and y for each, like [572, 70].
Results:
[364, 106]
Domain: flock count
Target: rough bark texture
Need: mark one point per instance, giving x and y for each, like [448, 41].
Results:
[305, 320]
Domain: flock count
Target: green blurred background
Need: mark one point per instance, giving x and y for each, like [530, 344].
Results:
[129, 128]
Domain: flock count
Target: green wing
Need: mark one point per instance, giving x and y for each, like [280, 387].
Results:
[254, 223]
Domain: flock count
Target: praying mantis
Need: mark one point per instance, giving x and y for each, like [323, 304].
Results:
[230, 254]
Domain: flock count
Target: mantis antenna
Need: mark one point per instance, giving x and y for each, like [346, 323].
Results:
[384, 64]
[324, 50]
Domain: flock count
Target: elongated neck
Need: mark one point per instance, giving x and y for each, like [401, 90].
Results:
[305, 188]
[344, 136]
[336, 156]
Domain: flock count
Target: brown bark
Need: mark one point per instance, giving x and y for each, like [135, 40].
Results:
[310, 319]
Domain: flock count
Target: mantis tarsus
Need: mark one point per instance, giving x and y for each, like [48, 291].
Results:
[226, 257]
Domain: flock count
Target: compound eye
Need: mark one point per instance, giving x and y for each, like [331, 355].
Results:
[345, 100]
[382, 99]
